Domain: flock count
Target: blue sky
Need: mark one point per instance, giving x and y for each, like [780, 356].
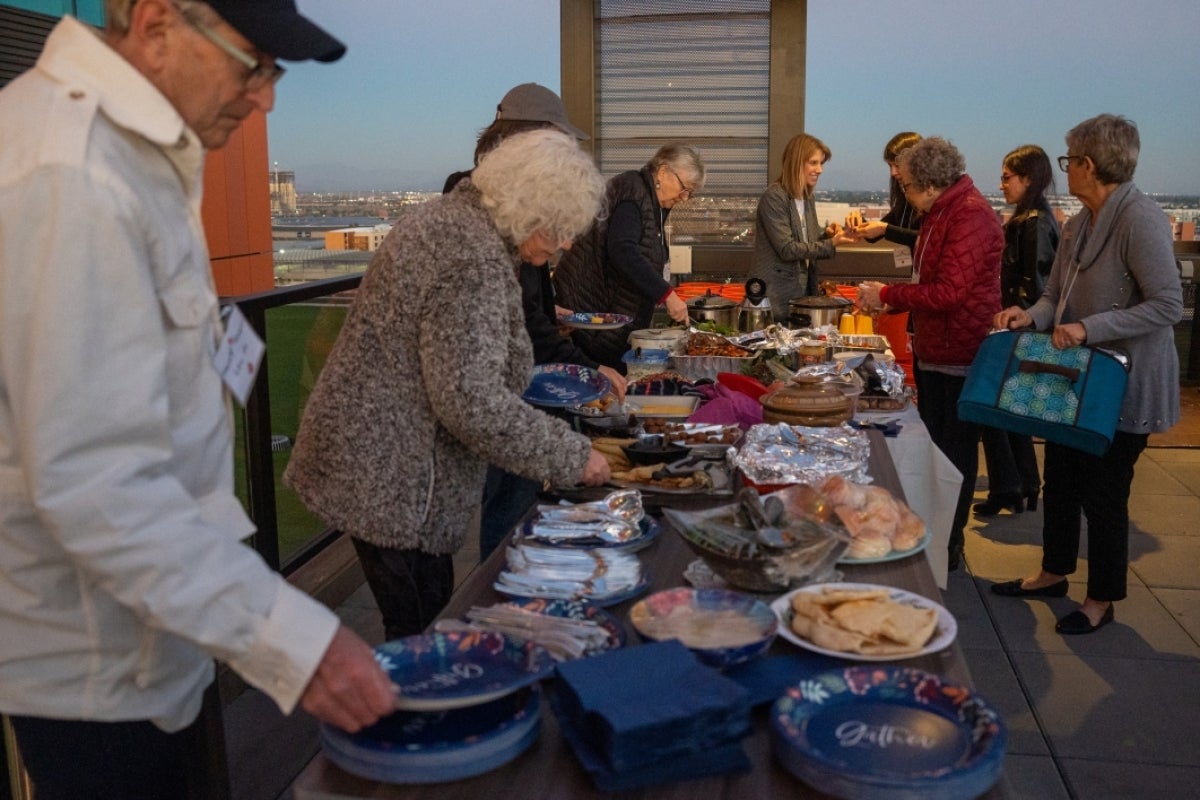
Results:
[420, 79]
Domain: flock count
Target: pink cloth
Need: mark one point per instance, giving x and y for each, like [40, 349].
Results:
[726, 406]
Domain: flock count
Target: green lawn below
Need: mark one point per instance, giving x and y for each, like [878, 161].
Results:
[299, 338]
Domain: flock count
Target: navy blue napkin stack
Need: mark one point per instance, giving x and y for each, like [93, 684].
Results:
[650, 714]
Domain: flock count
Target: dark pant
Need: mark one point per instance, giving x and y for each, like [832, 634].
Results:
[1011, 464]
[1077, 485]
[506, 499]
[410, 587]
[135, 760]
[937, 402]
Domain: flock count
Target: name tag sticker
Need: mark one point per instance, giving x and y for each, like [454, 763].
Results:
[239, 355]
[902, 257]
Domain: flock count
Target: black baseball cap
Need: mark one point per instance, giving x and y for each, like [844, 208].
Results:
[276, 28]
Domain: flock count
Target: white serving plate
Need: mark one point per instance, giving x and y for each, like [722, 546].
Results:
[943, 635]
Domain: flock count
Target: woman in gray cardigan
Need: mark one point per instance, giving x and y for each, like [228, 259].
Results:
[787, 239]
[1114, 283]
[423, 387]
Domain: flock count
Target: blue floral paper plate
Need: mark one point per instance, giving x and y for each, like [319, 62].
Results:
[720, 626]
[595, 320]
[453, 669]
[435, 746]
[565, 385]
[882, 733]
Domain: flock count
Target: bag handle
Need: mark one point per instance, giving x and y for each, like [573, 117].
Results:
[1069, 373]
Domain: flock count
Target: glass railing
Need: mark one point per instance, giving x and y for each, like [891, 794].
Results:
[299, 325]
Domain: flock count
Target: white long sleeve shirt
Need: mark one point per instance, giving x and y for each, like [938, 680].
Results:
[122, 573]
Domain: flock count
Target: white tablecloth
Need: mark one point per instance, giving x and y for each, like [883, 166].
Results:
[929, 480]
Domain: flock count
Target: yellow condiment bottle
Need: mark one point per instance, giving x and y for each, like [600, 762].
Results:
[846, 324]
[865, 325]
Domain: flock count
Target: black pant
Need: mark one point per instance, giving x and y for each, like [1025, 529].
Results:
[135, 760]
[937, 402]
[410, 587]
[1079, 484]
[1011, 464]
[506, 499]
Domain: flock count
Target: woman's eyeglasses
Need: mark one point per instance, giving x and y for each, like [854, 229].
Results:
[685, 191]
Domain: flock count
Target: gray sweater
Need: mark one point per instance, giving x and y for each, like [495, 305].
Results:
[423, 388]
[1127, 294]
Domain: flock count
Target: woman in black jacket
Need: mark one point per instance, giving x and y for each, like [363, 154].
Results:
[622, 265]
[1030, 240]
[901, 223]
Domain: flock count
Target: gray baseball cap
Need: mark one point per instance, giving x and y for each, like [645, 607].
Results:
[532, 102]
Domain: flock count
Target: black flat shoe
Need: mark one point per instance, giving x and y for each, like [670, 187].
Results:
[1077, 622]
[1015, 589]
[994, 505]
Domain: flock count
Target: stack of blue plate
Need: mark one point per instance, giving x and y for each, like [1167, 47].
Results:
[878, 733]
[468, 702]
[435, 746]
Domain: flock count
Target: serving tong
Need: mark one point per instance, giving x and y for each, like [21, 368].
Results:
[763, 518]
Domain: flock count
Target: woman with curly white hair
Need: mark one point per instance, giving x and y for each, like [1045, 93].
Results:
[423, 387]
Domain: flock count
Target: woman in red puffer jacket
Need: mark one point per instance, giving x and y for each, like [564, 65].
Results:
[956, 290]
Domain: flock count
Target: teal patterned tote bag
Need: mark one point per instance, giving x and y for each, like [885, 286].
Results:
[1020, 382]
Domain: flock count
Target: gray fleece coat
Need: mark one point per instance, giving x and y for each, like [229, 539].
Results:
[423, 388]
[1127, 295]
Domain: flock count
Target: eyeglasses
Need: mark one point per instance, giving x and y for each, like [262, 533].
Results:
[1005, 177]
[260, 73]
[684, 190]
[1065, 161]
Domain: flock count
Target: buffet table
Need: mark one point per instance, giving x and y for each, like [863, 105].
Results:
[549, 769]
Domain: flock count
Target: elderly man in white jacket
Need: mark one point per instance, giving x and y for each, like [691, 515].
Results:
[121, 569]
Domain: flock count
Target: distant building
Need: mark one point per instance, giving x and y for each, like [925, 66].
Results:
[283, 193]
[366, 239]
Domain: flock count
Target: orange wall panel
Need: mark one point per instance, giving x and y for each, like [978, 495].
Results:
[237, 211]
[213, 209]
[239, 275]
[262, 272]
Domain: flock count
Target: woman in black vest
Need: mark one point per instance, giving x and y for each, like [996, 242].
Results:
[622, 266]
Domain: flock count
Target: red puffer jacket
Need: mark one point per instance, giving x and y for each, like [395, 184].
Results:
[958, 293]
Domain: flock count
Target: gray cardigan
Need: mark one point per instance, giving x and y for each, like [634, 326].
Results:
[423, 388]
[784, 248]
[1128, 296]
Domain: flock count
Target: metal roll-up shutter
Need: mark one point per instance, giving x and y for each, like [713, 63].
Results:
[692, 71]
[22, 35]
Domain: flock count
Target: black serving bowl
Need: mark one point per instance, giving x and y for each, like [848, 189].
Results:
[653, 450]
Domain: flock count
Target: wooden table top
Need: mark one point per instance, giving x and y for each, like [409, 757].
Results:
[549, 770]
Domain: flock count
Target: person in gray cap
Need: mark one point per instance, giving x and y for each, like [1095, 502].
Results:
[507, 497]
[526, 107]
[122, 569]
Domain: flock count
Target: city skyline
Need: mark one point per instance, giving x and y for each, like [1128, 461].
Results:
[402, 109]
